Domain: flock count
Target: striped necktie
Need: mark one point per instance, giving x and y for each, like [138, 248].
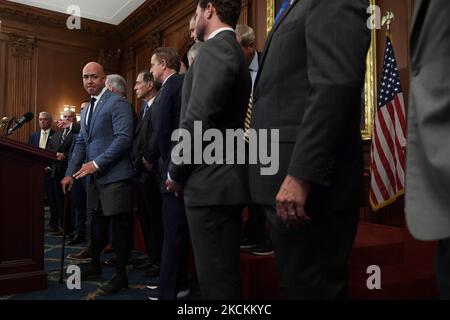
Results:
[248, 118]
[64, 135]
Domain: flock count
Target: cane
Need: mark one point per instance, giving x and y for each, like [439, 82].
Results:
[63, 247]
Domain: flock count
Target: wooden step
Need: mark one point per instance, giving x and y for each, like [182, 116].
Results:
[377, 245]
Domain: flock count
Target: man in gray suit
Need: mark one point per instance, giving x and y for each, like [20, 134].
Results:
[427, 198]
[309, 87]
[101, 153]
[216, 92]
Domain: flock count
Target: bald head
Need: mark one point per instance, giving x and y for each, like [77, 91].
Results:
[93, 78]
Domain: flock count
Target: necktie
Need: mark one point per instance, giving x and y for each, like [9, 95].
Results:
[64, 135]
[248, 118]
[43, 140]
[145, 110]
[283, 8]
[90, 113]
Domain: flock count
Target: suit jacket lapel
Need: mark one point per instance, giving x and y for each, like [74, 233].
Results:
[141, 119]
[98, 108]
[269, 39]
[420, 8]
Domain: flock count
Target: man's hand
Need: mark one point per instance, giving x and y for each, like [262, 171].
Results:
[291, 201]
[60, 156]
[174, 187]
[67, 183]
[147, 165]
[86, 169]
[63, 124]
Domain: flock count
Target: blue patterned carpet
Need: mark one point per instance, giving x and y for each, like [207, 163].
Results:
[56, 291]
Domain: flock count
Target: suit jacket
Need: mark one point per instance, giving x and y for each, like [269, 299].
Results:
[108, 142]
[36, 136]
[142, 136]
[59, 167]
[165, 116]
[427, 199]
[216, 92]
[309, 87]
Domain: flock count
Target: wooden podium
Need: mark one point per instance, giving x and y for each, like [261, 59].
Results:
[22, 217]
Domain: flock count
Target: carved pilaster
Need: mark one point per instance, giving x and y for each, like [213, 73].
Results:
[22, 46]
[110, 60]
[19, 84]
[155, 40]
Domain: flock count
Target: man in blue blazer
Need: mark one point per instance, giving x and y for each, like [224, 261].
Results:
[102, 154]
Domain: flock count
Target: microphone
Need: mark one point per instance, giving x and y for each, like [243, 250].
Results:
[27, 117]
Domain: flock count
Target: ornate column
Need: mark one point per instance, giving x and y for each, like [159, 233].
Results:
[20, 97]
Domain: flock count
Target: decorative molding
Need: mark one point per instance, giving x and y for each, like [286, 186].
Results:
[42, 17]
[110, 59]
[150, 10]
[155, 40]
[129, 58]
[22, 46]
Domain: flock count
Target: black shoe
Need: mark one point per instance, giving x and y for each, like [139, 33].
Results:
[114, 285]
[152, 271]
[78, 239]
[90, 273]
[245, 244]
[262, 250]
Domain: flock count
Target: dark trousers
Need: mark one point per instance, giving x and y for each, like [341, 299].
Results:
[173, 270]
[442, 266]
[109, 203]
[215, 234]
[150, 218]
[312, 261]
[255, 227]
[79, 215]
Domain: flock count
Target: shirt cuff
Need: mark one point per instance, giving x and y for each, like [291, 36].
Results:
[168, 178]
[96, 166]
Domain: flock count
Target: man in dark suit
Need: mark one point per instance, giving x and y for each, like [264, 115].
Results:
[254, 235]
[427, 169]
[61, 143]
[173, 279]
[41, 139]
[102, 153]
[147, 180]
[309, 88]
[216, 93]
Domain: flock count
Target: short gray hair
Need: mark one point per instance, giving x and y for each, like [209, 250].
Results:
[246, 34]
[46, 114]
[117, 82]
[193, 51]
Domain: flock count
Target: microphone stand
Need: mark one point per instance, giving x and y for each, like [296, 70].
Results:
[10, 122]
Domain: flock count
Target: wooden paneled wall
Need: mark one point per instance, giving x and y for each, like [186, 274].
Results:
[41, 60]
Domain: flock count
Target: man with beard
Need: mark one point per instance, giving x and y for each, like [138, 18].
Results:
[216, 93]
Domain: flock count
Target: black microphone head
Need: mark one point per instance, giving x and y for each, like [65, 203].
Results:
[28, 116]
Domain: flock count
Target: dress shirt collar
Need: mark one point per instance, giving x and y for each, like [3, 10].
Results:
[215, 33]
[254, 66]
[168, 78]
[97, 97]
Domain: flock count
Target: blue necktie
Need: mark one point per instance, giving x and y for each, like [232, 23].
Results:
[283, 8]
[90, 113]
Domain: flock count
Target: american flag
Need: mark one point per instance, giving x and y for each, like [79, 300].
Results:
[387, 157]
